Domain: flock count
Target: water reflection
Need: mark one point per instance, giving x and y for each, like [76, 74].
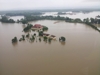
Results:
[31, 41]
[63, 43]
[15, 44]
[78, 57]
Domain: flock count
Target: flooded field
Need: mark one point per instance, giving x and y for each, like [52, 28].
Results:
[80, 55]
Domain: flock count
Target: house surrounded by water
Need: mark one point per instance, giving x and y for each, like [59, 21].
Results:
[37, 27]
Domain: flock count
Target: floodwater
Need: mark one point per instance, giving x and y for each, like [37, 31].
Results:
[80, 15]
[15, 18]
[80, 55]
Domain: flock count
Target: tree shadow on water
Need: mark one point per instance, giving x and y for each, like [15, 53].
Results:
[31, 41]
[49, 42]
[15, 44]
[63, 43]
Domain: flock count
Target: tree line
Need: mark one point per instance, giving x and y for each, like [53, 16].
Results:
[88, 21]
[5, 19]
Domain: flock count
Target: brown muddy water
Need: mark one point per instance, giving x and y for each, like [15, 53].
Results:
[80, 55]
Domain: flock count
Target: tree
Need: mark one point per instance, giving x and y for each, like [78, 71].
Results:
[14, 40]
[63, 39]
[34, 34]
[27, 35]
[84, 20]
[39, 39]
[59, 39]
[23, 37]
[27, 28]
[77, 20]
[11, 21]
[20, 39]
[18, 21]
[87, 20]
[24, 21]
[49, 40]
[5, 19]
[92, 20]
[45, 38]
[33, 38]
[45, 28]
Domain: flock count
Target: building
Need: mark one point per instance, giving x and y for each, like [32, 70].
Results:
[53, 37]
[47, 35]
[37, 27]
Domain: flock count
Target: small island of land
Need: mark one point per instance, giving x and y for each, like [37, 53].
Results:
[39, 34]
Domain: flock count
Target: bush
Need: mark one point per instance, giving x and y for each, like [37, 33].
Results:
[14, 40]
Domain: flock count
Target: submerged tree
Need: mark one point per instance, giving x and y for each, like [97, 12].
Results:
[45, 28]
[45, 38]
[40, 33]
[5, 19]
[59, 39]
[27, 35]
[33, 38]
[40, 39]
[23, 37]
[27, 28]
[14, 40]
[63, 39]
[20, 39]
[34, 34]
[49, 40]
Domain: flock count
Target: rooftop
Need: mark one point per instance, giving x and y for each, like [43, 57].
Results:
[37, 26]
[53, 36]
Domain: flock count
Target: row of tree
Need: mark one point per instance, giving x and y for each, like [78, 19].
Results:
[67, 19]
[33, 18]
[33, 37]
